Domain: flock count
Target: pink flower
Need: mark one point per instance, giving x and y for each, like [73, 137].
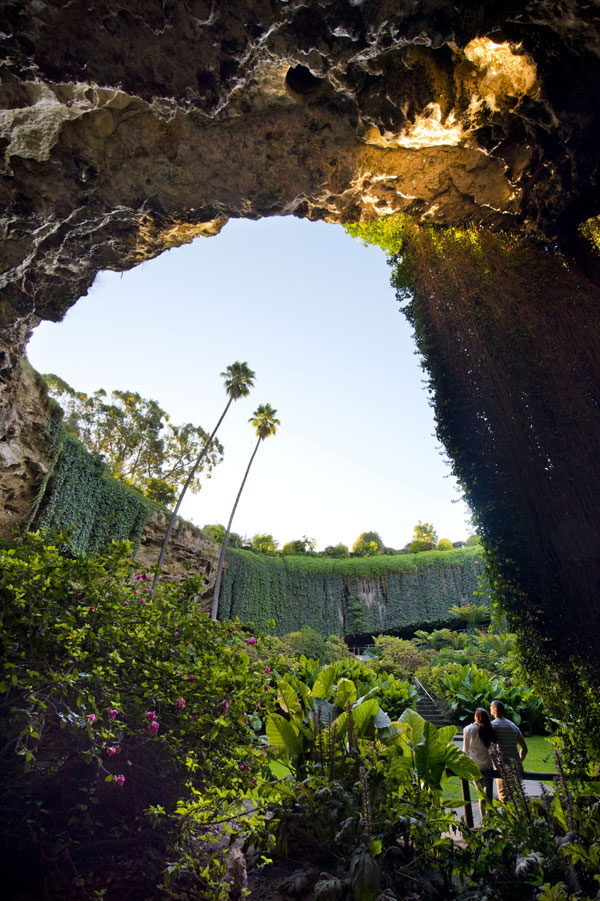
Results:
[177, 635]
[267, 669]
[111, 751]
[138, 576]
[195, 717]
[251, 640]
[15, 646]
[80, 595]
[153, 727]
[257, 704]
[91, 717]
[245, 718]
[254, 783]
[225, 703]
[243, 767]
[151, 715]
[91, 608]
[181, 703]
[120, 780]
[191, 676]
[113, 714]
[144, 577]
[125, 604]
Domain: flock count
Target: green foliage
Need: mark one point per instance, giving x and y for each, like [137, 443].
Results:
[440, 637]
[471, 614]
[387, 233]
[424, 531]
[311, 644]
[300, 546]
[368, 544]
[293, 548]
[330, 594]
[472, 541]
[466, 687]
[84, 501]
[136, 439]
[336, 550]
[116, 705]
[217, 533]
[444, 544]
[263, 543]
[397, 656]
[543, 848]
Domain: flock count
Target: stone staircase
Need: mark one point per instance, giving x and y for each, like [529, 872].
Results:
[432, 710]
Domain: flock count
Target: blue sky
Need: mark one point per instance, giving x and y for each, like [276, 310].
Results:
[312, 312]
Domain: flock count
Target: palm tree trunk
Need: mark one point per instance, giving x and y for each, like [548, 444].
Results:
[163, 549]
[217, 590]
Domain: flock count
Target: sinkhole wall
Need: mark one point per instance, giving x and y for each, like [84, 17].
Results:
[353, 596]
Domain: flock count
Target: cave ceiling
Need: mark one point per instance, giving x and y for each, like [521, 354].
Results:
[128, 128]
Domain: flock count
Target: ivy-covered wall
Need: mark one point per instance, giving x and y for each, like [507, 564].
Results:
[349, 596]
[82, 498]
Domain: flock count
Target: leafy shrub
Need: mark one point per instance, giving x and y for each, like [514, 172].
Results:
[308, 642]
[464, 688]
[444, 544]
[397, 656]
[471, 614]
[118, 704]
[440, 637]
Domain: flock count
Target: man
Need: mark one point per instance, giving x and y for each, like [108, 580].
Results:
[511, 744]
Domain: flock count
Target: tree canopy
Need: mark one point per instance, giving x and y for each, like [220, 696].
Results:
[135, 438]
[368, 544]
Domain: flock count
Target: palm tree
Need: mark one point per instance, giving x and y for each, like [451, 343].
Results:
[265, 424]
[239, 378]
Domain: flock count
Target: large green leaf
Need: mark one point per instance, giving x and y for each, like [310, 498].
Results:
[324, 710]
[288, 699]
[281, 734]
[430, 757]
[346, 693]
[363, 714]
[324, 683]
[415, 723]
[458, 764]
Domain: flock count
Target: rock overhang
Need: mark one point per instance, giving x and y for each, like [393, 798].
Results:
[128, 128]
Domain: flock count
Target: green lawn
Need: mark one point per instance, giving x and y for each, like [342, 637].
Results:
[540, 759]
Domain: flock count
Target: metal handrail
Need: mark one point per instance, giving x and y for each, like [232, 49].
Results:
[423, 689]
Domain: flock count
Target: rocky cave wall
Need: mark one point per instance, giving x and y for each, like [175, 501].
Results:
[129, 128]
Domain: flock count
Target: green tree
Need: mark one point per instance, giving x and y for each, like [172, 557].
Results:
[336, 550]
[265, 424]
[239, 379]
[444, 544]
[217, 533]
[300, 546]
[424, 538]
[135, 439]
[424, 531]
[294, 548]
[368, 544]
[472, 540]
[264, 543]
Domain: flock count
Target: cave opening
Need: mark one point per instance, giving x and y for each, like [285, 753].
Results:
[312, 311]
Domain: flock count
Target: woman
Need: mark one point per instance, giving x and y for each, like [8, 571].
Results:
[477, 739]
